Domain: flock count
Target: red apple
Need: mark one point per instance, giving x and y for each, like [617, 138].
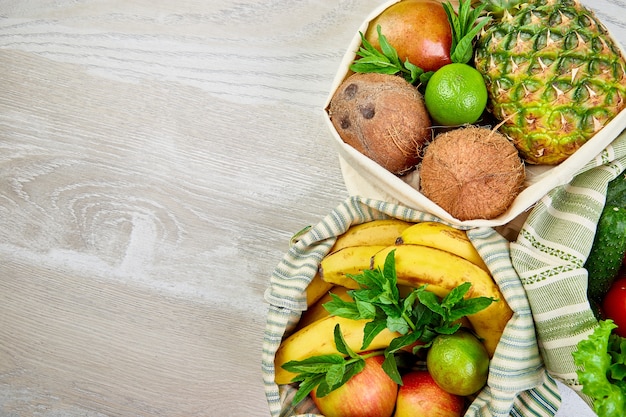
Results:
[370, 393]
[420, 396]
[418, 29]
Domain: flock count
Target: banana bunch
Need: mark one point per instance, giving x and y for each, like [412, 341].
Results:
[352, 259]
[425, 253]
[378, 233]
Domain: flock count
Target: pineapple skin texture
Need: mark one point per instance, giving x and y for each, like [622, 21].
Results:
[553, 75]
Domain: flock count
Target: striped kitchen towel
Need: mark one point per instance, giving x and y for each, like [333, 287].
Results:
[518, 383]
[549, 254]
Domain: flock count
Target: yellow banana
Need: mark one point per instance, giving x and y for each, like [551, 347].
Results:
[316, 289]
[335, 267]
[441, 236]
[417, 265]
[317, 310]
[318, 339]
[376, 232]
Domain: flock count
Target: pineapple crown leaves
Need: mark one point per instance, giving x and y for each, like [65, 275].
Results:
[465, 25]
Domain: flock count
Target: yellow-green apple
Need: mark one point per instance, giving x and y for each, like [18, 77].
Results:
[370, 393]
[420, 396]
[418, 29]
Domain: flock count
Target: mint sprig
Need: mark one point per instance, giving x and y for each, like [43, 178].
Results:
[327, 372]
[418, 317]
[386, 61]
[465, 27]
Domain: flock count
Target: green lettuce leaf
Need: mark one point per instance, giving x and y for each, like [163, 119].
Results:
[597, 358]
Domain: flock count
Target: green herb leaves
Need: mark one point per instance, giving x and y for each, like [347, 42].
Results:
[326, 372]
[418, 317]
[465, 27]
[387, 61]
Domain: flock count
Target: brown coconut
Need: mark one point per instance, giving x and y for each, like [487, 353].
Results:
[472, 173]
[383, 117]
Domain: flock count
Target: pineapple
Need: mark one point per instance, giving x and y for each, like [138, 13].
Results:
[497, 7]
[554, 76]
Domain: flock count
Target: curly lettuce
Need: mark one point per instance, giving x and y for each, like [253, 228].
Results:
[601, 359]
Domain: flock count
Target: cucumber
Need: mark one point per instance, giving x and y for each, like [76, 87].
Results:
[616, 191]
[609, 244]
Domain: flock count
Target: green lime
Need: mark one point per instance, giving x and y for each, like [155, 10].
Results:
[459, 363]
[456, 95]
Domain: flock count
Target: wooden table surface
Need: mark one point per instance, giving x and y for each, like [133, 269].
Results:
[155, 159]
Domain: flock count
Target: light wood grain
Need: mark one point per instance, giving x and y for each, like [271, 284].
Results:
[155, 159]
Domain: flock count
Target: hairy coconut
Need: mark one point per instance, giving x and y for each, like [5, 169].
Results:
[383, 117]
[472, 173]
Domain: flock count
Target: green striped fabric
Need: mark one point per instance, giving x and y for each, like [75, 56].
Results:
[549, 255]
[518, 383]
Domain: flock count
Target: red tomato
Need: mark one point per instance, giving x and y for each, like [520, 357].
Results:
[614, 305]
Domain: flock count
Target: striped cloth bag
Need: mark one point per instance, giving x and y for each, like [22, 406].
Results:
[540, 275]
[517, 378]
[549, 254]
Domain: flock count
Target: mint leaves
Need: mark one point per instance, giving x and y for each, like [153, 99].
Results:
[387, 61]
[465, 27]
[326, 372]
[418, 317]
